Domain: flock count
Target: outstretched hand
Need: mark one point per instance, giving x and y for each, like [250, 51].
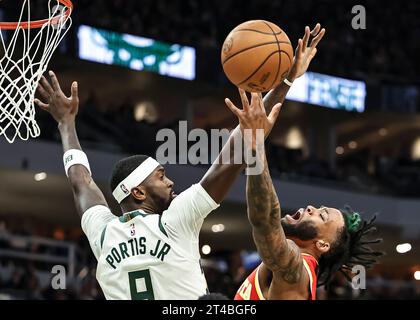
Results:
[63, 109]
[305, 54]
[253, 116]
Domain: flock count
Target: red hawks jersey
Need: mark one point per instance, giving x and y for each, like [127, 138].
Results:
[251, 290]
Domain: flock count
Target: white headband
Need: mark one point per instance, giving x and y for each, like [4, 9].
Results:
[135, 178]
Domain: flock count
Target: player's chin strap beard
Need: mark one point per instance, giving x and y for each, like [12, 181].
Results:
[135, 178]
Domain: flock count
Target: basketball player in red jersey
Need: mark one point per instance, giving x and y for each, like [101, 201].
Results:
[302, 250]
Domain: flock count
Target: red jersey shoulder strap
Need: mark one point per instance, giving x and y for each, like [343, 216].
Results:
[311, 267]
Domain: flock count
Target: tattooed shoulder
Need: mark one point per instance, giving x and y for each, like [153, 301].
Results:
[291, 272]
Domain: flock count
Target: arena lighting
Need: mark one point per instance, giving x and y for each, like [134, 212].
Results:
[145, 111]
[206, 249]
[417, 275]
[339, 150]
[383, 132]
[83, 273]
[218, 228]
[352, 144]
[294, 138]
[40, 176]
[403, 248]
[415, 150]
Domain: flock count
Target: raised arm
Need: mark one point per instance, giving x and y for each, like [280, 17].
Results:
[263, 206]
[220, 177]
[64, 110]
[280, 255]
[301, 62]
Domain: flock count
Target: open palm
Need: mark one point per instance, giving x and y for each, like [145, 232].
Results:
[61, 107]
[253, 116]
[305, 54]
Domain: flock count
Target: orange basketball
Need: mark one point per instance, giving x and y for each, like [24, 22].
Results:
[257, 56]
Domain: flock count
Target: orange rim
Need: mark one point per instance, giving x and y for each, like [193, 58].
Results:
[39, 23]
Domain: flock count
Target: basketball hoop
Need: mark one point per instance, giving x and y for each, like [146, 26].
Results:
[23, 60]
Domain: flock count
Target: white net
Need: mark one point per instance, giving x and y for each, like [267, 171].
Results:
[24, 58]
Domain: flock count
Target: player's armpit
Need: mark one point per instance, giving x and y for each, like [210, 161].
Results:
[282, 256]
[187, 211]
[220, 177]
[94, 221]
[291, 269]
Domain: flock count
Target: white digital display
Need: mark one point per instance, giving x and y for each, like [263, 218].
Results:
[329, 91]
[136, 53]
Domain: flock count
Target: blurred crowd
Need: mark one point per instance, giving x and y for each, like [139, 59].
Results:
[30, 248]
[384, 174]
[387, 49]
[24, 278]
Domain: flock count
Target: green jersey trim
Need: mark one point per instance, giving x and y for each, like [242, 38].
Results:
[103, 237]
[130, 215]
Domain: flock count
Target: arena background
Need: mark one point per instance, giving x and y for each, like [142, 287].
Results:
[318, 155]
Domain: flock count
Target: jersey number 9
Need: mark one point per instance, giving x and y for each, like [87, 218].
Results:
[141, 285]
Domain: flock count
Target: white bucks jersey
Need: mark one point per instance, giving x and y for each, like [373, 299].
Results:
[150, 256]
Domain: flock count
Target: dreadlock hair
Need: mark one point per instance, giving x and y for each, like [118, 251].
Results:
[123, 168]
[351, 248]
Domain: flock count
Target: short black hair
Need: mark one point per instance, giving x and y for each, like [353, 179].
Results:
[213, 296]
[124, 167]
[352, 247]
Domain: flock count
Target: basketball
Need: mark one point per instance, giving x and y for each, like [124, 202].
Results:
[257, 56]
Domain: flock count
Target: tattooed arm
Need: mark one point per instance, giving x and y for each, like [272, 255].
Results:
[280, 255]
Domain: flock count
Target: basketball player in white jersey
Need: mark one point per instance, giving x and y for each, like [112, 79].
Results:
[151, 251]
